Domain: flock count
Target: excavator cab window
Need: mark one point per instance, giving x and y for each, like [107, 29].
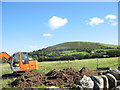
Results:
[24, 58]
[15, 60]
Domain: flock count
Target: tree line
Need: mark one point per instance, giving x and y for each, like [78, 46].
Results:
[44, 55]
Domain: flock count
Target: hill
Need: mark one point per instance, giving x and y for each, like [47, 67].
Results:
[81, 45]
[73, 50]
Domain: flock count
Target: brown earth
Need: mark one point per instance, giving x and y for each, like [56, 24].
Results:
[67, 76]
[88, 72]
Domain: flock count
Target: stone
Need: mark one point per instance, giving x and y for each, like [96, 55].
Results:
[98, 82]
[86, 82]
[115, 73]
[112, 80]
[106, 84]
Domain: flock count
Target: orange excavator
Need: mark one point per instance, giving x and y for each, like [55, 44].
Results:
[19, 61]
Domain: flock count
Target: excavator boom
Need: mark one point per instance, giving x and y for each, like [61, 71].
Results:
[4, 55]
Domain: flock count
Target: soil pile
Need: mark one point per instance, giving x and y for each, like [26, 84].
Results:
[63, 77]
[70, 71]
[86, 71]
[28, 79]
[67, 76]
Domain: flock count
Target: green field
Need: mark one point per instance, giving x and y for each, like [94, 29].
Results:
[76, 64]
[72, 52]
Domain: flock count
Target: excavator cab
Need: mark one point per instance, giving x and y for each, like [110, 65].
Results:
[21, 62]
[15, 64]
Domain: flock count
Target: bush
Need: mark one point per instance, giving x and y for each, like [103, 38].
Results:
[87, 56]
[96, 55]
[67, 57]
[78, 56]
[113, 53]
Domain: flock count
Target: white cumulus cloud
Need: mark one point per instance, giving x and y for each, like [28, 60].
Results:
[95, 21]
[111, 16]
[57, 22]
[33, 46]
[47, 35]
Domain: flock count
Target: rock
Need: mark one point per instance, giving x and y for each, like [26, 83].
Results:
[86, 82]
[116, 88]
[98, 82]
[79, 87]
[112, 80]
[118, 82]
[106, 84]
[115, 73]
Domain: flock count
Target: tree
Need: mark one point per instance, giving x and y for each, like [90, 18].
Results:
[118, 47]
[67, 57]
[96, 55]
[113, 53]
[87, 56]
[35, 57]
[78, 56]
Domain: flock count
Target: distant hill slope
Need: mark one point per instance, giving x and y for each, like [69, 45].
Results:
[74, 50]
[81, 45]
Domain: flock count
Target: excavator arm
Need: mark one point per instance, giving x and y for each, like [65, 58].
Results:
[5, 56]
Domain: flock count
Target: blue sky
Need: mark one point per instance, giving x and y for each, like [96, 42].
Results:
[28, 26]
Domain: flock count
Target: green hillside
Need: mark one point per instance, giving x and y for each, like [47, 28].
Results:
[81, 45]
[75, 50]
[109, 45]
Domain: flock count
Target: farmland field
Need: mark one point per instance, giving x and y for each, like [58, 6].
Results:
[76, 64]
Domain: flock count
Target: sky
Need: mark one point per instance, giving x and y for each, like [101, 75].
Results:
[28, 26]
[60, 0]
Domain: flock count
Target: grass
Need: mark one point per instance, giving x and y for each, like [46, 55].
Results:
[42, 87]
[5, 69]
[84, 53]
[104, 49]
[108, 45]
[72, 52]
[76, 64]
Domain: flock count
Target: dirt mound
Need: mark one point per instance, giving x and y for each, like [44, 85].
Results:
[86, 71]
[70, 71]
[62, 77]
[67, 76]
[28, 79]
[61, 73]
[52, 72]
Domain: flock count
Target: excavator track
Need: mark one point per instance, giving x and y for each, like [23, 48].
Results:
[11, 75]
